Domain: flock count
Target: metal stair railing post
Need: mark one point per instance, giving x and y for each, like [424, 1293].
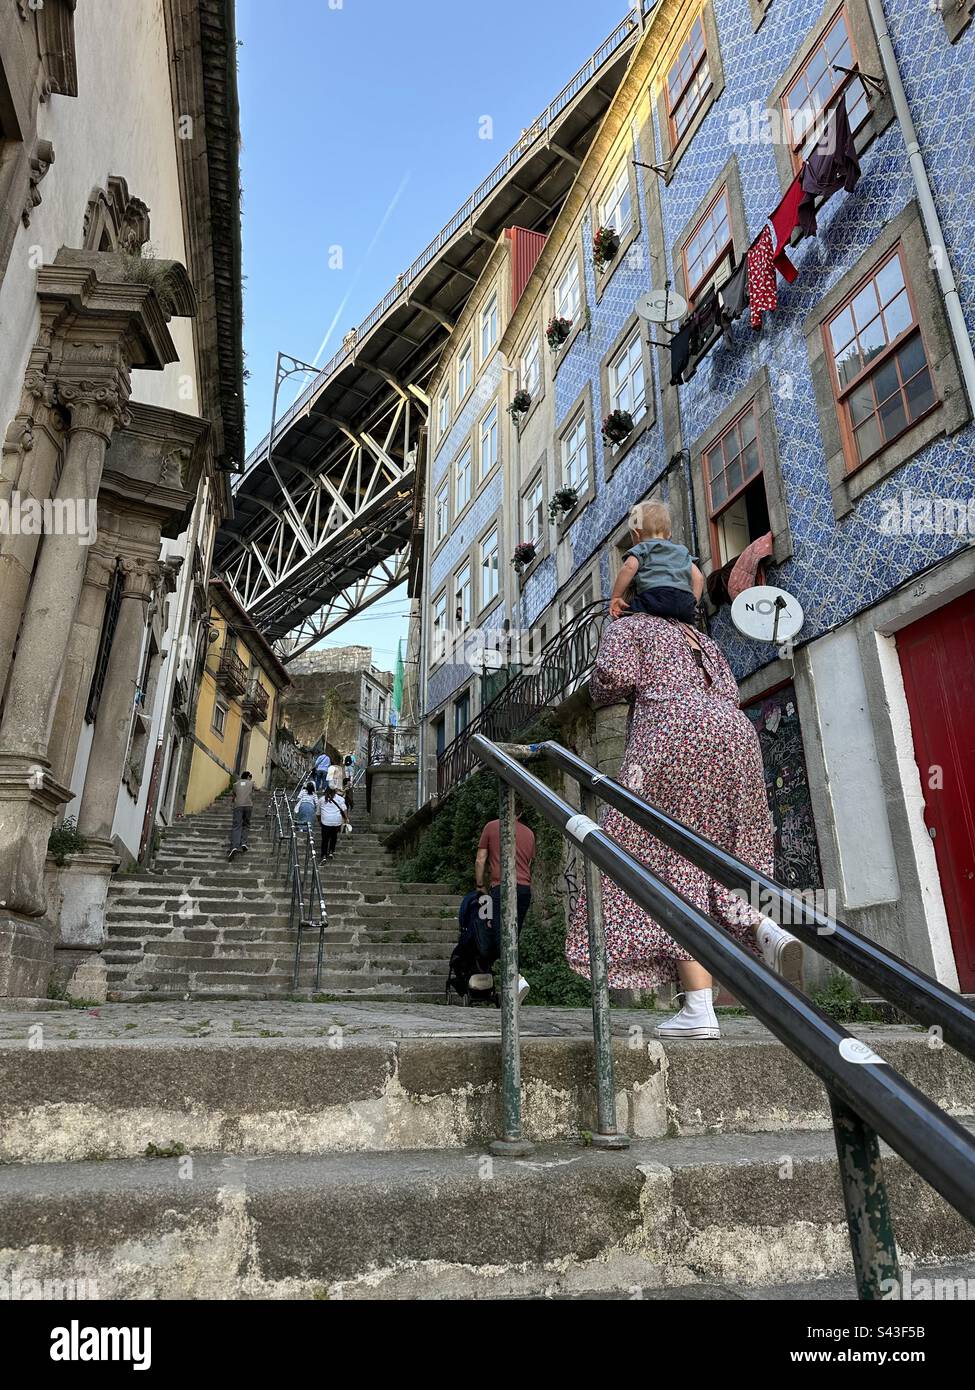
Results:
[314, 893]
[918, 995]
[512, 1143]
[885, 1104]
[607, 1135]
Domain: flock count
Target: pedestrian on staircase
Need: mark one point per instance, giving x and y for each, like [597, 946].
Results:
[487, 865]
[321, 771]
[694, 755]
[332, 814]
[306, 807]
[243, 803]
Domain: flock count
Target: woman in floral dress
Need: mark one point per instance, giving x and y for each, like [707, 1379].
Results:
[694, 755]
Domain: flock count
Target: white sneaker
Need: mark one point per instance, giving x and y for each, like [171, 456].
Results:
[523, 988]
[781, 951]
[696, 1019]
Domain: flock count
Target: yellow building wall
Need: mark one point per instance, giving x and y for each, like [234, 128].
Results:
[207, 778]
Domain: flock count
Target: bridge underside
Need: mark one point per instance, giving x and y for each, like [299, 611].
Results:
[324, 520]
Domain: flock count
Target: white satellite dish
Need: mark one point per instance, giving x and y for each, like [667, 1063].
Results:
[661, 306]
[767, 614]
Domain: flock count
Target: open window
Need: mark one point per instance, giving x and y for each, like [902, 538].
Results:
[734, 477]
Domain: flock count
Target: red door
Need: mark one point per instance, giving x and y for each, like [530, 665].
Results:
[937, 656]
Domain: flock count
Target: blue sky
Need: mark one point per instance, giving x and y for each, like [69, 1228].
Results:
[361, 124]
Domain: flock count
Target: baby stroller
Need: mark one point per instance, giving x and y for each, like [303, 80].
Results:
[469, 975]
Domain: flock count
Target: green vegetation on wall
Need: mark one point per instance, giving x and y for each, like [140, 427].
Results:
[446, 854]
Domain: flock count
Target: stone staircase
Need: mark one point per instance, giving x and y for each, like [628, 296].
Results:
[198, 927]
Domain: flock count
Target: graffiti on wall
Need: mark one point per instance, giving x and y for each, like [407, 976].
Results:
[776, 721]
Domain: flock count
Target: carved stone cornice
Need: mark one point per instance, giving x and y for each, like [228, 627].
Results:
[113, 214]
[40, 161]
[155, 463]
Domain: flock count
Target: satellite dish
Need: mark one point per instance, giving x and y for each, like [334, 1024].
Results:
[767, 614]
[661, 306]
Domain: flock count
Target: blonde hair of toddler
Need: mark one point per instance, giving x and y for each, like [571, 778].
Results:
[651, 519]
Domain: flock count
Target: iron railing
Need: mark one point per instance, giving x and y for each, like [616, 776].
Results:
[867, 1097]
[560, 668]
[294, 842]
[395, 744]
[535, 133]
[231, 672]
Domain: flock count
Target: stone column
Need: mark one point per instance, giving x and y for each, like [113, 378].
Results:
[79, 662]
[35, 679]
[106, 760]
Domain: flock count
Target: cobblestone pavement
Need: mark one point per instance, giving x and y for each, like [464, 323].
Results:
[251, 1019]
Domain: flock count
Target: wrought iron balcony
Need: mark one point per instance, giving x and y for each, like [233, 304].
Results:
[562, 666]
[231, 673]
[255, 704]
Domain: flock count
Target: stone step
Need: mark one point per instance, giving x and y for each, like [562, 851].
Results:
[456, 1224]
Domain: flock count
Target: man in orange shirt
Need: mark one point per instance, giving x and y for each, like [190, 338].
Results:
[487, 870]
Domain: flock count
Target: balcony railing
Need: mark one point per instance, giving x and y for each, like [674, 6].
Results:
[562, 665]
[392, 745]
[255, 704]
[231, 673]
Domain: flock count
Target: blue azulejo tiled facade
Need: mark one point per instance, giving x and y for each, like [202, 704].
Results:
[844, 432]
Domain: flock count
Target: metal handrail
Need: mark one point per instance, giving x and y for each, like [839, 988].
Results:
[867, 1097]
[918, 995]
[302, 875]
[536, 131]
[563, 663]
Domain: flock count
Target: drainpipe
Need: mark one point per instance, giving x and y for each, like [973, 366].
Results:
[925, 197]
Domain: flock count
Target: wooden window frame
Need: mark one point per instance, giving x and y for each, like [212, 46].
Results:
[839, 91]
[841, 393]
[224, 708]
[492, 301]
[486, 600]
[466, 353]
[464, 624]
[714, 512]
[443, 426]
[671, 105]
[728, 249]
[482, 472]
[572, 261]
[435, 655]
[467, 448]
[438, 536]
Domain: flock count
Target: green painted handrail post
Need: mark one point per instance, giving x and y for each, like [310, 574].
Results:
[875, 1261]
[607, 1135]
[511, 1142]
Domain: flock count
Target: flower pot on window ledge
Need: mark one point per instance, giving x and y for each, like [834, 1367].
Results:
[605, 245]
[563, 500]
[520, 405]
[524, 554]
[557, 331]
[616, 426]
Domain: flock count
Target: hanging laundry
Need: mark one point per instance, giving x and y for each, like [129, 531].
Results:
[832, 165]
[748, 569]
[680, 353]
[761, 278]
[784, 221]
[733, 294]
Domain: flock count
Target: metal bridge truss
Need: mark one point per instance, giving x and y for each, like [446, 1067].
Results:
[340, 527]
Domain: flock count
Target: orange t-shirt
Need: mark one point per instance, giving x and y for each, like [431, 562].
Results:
[524, 851]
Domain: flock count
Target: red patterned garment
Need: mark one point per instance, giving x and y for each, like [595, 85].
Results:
[761, 278]
[692, 753]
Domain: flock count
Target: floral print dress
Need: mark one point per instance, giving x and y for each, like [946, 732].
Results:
[694, 755]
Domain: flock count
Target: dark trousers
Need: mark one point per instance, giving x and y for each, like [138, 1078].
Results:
[489, 928]
[240, 826]
[320, 775]
[664, 602]
[330, 834]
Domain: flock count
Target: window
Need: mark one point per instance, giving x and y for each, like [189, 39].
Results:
[489, 326]
[531, 368]
[110, 619]
[575, 455]
[381, 708]
[441, 514]
[443, 411]
[733, 477]
[581, 599]
[533, 513]
[440, 627]
[462, 480]
[817, 82]
[219, 717]
[462, 598]
[709, 251]
[627, 379]
[488, 442]
[462, 713]
[617, 209]
[465, 372]
[880, 370]
[568, 296]
[440, 735]
[490, 567]
[688, 81]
